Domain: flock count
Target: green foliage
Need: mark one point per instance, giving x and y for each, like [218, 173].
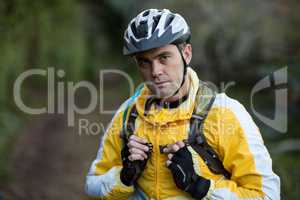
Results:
[9, 125]
[287, 166]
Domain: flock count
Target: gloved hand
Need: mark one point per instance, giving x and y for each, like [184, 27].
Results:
[185, 176]
[132, 169]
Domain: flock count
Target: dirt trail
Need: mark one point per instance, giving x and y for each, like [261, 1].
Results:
[50, 161]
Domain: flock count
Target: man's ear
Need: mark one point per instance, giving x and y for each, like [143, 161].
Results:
[187, 52]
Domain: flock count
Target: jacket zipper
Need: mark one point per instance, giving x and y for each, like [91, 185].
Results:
[157, 163]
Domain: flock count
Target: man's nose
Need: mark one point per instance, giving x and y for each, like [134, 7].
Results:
[157, 69]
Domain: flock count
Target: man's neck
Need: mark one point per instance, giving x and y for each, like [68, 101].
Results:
[183, 91]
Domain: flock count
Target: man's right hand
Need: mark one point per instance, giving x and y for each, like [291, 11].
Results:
[134, 158]
[138, 148]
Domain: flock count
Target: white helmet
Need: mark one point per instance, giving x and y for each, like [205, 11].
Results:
[154, 28]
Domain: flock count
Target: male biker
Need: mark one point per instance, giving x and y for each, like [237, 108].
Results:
[156, 162]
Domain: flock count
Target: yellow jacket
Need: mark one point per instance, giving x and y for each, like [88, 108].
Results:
[228, 128]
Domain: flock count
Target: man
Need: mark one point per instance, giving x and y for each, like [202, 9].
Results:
[156, 161]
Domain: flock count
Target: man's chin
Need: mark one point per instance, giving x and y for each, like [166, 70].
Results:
[163, 94]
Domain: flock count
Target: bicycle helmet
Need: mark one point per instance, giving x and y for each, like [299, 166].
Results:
[155, 28]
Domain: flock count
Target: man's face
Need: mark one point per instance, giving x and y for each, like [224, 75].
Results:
[162, 68]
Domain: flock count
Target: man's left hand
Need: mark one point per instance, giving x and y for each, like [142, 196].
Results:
[180, 163]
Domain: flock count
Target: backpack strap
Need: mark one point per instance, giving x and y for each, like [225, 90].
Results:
[130, 125]
[204, 101]
[129, 117]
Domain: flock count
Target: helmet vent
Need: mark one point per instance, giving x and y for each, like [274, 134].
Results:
[146, 13]
[169, 20]
[155, 22]
[142, 30]
[133, 29]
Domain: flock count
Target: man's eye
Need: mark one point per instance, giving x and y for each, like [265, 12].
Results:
[164, 58]
[143, 63]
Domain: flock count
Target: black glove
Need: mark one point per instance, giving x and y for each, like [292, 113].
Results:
[132, 170]
[185, 176]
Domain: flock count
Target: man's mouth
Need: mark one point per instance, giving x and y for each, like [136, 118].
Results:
[161, 84]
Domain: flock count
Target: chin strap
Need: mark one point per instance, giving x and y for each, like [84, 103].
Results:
[184, 70]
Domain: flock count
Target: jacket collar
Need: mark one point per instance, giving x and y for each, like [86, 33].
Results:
[160, 115]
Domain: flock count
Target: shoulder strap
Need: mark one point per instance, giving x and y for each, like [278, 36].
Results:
[129, 117]
[130, 125]
[204, 101]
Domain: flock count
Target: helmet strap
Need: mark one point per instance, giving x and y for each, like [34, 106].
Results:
[184, 70]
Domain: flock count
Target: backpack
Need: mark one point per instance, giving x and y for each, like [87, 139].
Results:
[204, 100]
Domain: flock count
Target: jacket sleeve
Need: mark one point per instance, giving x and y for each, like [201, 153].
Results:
[244, 155]
[103, 179]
